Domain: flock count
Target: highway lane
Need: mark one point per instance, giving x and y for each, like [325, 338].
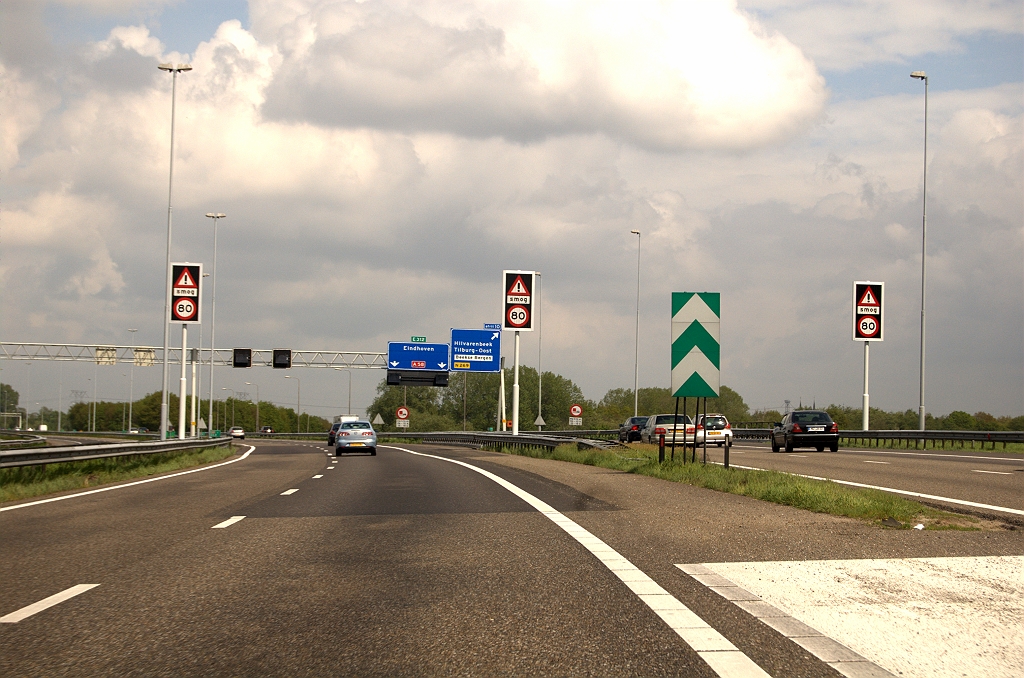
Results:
[975, 476]
[399, 564]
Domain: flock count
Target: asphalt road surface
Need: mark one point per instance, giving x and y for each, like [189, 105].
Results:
[403, 564]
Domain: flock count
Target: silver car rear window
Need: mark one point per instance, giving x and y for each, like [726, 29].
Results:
[355, 424]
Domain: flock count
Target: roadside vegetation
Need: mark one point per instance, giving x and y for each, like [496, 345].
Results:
[24, 482]
[818, 496]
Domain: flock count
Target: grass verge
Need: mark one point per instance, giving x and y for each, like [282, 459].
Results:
[24, 482]
[818, 496]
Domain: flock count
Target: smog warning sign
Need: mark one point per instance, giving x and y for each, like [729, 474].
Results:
[867, 310]
[518, 287]
[186, 286]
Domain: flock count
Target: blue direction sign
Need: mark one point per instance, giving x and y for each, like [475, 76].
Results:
[417, 356]
[476, 350]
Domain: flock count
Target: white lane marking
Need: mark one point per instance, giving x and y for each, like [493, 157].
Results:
[998, 473]
[878, 450]
[137, 482]
[29, 610]
[721, 655]
[228, 523]
[319, 476]
[802, 456]
[330, 468]
[291, 491]
[961, 502]
[868, 461]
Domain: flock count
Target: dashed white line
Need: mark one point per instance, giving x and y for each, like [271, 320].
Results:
[998, 473]
[721, 655]
[868, 461]
[291, 491]
[227, 523]
[319, 476]
[137, 482]
[55, 599]
[330, 468]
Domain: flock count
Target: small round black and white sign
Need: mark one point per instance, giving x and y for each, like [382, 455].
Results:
[518, 316]
[867, 326]
[184, 309]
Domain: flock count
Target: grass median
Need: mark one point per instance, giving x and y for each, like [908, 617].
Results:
[818, 496]
[24, 482]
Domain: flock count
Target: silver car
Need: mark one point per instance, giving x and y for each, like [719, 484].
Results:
[665, 424]
[355, 435]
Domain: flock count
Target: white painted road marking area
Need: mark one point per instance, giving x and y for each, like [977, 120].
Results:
[319, 476]
[291, 491]
[931, 617]
[868, 461]
[137, 482]
[997, 473]
[228, 523]
[721, 655]
[55, 599]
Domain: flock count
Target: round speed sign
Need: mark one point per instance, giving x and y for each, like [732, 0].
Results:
[867, 326]
[184, 309]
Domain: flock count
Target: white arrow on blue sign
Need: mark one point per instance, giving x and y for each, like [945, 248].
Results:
[409, 356]
[476, 350]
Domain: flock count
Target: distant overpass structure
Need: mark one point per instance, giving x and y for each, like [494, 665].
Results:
[144, 356]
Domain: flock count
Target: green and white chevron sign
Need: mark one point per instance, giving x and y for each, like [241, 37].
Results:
[696, 349]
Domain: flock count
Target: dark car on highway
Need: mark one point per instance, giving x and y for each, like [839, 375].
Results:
[806, 428]
[333, 433]
[629, 431]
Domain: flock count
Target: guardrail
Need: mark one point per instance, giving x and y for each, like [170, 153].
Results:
[22, 440]
[54, 455]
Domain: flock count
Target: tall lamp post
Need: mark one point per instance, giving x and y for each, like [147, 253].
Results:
[921, 75]
[349, 370]
[298, 423]
[636, 359]
[225, 388]
[131, 379]
[216, 216]
[173, 70]
[249, 383]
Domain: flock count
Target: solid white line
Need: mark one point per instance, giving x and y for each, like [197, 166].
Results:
[868, 461]
[961, 502]
[904, 453]
[319, 476]
[29, 610]
[137, 482]
[998, 473]
[287, 492]
[721, 655]
[228, 523]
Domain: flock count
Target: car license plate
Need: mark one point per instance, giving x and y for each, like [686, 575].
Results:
[715, 433]
[815, 428]
[356, 445]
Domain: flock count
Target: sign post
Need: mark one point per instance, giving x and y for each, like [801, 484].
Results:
[186, 279]
[402, 417]
[867, 327]
[575, 416]
[696, 353]
[518, 316]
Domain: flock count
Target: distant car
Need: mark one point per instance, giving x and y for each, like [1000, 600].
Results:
[133, 430]
[355, 435]
[629, 430]
[717, 430]
[237, 432]
[333, 433]
[659, 424]
[806, 428]
[266, 429]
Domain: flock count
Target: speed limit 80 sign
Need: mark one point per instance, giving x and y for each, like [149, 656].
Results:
[868, 308]
[186, 292]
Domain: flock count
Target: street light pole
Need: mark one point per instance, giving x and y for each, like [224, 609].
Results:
[173, 70]
[921, 75]
[216, 216]
[225, 388]
[346, 369]
[131, 379]
[636, 359]
[249, 383]
[298, 423]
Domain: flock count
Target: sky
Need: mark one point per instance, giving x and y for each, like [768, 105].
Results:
[381, 162]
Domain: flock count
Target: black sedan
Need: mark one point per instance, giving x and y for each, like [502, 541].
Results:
[629, 431]
[806, 428]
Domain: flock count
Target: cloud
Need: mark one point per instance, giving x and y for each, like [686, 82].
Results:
[659, 75]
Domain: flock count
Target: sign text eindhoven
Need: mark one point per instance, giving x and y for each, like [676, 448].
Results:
[868, 309]
[518, 286]
[186, 280]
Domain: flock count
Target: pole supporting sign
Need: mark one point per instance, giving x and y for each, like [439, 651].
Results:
[868, 308]
[186, 282]
[696, 347]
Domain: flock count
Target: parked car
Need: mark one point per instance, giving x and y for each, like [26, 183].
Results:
[333, 432]
[667, 424]
[629, 431]
[266, 429]
[355, 435]
[806, 428]
[237, 432]
[717, 429]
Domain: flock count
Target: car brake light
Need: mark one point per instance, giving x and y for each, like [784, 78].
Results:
[700, 427]
[635, 428]
[342, 433]
[367, 433]
[659, 431]
[835, 428]
[797, 428]
[728, 426]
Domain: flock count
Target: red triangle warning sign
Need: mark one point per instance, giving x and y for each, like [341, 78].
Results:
[185, 280]
[519, 287]
[868, 298]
